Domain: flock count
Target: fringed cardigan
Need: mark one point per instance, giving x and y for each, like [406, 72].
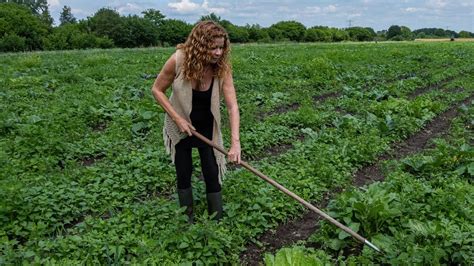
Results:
[181, 100]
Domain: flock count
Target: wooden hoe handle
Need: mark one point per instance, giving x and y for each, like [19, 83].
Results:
[289, 193]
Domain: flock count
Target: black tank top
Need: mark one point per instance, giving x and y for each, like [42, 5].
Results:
[201, 118]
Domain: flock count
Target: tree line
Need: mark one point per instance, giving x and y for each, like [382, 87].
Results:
[27, 25]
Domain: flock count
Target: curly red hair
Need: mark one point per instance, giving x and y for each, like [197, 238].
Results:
[197, 47]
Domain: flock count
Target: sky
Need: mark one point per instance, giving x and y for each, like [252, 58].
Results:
[377, 14]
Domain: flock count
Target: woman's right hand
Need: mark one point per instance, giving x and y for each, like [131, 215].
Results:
[184, 126]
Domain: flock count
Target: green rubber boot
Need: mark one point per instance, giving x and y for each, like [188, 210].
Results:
[214, 204]
[186, 199]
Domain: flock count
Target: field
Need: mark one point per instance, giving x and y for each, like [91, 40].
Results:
[379, 135]
[445, 40]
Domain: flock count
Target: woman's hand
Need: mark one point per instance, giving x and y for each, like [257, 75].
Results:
[184, 126]
[234, 153]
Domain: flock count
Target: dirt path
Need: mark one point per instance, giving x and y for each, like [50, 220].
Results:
[302, 228]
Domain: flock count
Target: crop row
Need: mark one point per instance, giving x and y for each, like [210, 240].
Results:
[421, 214]
[87, 177]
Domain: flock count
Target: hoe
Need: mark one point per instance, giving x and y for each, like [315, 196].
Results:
[291, 194]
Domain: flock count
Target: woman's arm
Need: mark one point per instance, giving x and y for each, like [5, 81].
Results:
[234, 117]
[161, 84]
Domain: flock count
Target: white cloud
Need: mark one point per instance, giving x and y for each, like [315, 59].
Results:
[184, 6]
[330, 8]
[79, 12]
[411, 9]
[217, 10]
[354, 15]
[129, 8]
[189, 7]
[312, 10]
[437, 4]
[53, 3]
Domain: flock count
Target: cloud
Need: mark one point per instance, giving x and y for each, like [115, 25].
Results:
[184, 6]
[412, 9]
[189, 7]
[217, 10]
[79, 12]
[312, 10]
[354, 15]
[330, 9]
[129, 8]
[437, 4]
[54, 3]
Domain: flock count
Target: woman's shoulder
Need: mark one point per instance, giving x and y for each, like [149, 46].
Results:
[179, 56]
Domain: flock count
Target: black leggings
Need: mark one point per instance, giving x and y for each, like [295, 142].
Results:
[184, 168]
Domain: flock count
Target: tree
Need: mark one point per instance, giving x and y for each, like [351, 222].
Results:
[66, 16]
[154, 16]
[19, 25]
[318, 34]
[465, 34]
[339, 35]
[359, 34]
[36, 6]
[72, 36]
[256, 33]
[47, 19]
[107, 22]
[237, 33]
[393, 31]
[291, 30]
[212, 17]
[173, 31]
[406, 33]
[371, 31]
[440, 33]
[138, 32]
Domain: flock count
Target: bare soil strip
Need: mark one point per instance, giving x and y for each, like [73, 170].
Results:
[302, 228]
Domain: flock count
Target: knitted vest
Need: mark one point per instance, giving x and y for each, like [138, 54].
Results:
[181, 99]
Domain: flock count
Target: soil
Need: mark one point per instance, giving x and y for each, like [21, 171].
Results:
[323, 97]
[279, 110]
[90, 160]
[302, 228]
[101, 126]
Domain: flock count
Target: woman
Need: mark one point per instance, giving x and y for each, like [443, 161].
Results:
[199, 72]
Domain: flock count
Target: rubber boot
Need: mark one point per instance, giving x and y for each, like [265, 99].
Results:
[186, 199]
[214, 204]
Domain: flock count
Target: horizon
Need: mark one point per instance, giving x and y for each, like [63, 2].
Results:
[378, 15]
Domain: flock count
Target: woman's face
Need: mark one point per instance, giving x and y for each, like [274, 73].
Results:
[217, 49]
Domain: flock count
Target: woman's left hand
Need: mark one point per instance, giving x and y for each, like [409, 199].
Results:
[234, 153]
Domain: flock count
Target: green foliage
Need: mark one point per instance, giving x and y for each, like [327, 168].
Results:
[71, 36]
[318, 34]
[85, 179]
[360, 34]
[212, 17]
[20, 29]
[139, 32]
[107, 23]
[12, 43]
[257, 33]
[173, 31]
[155, 16]
[291, 30]
[36, 6]
[466, 34]
[297, 256]
[421, 214]
[66, 16]
[393, 31]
